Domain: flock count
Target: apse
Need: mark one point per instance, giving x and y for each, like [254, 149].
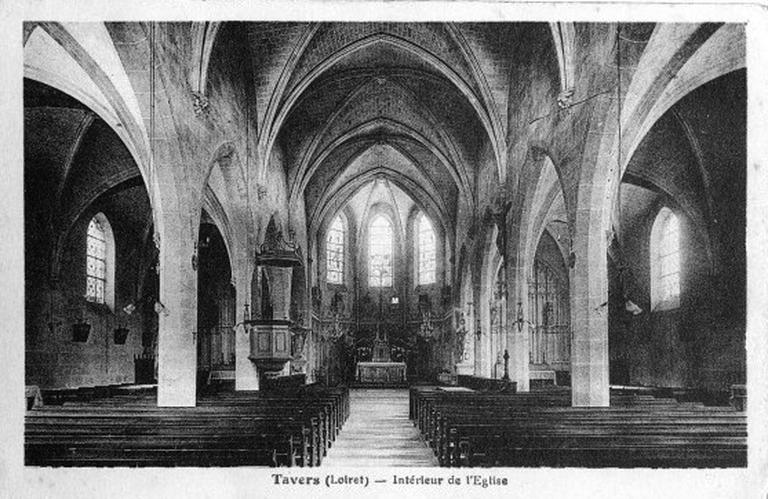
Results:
[381, 269]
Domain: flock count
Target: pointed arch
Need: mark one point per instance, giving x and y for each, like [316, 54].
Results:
[490, 262]
[284, 104]
[213, 207]
[549, 306]
[421, 189]
[73, 72]
[373, 127]
[316, 152]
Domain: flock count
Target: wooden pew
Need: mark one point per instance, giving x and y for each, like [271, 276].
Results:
[541, 429]
[251, 428]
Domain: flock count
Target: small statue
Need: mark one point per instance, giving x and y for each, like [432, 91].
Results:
[461, 333]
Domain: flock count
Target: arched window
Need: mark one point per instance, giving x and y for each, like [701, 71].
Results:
[665, 261]
[99, 262]
[425, 244]
[380, 252]
[334, 251]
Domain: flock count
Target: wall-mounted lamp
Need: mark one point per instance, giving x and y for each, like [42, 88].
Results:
[194, 258]
[120, 335]
[632, 307]
[160, 309]
[80, 331]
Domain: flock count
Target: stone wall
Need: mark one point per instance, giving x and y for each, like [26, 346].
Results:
[53, 358]
[701, 343]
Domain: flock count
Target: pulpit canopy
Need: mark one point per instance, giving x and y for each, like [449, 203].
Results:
[275, 251]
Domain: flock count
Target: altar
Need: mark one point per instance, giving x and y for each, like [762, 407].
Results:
[382, 369]
[381, 372]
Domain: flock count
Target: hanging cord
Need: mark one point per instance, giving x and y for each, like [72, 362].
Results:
[618, 126]
[247, 312]
[152, 114]
[248, 154]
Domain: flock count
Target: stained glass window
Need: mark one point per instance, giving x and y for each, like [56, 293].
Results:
[96, 262]
[380, 252]
[334, 247]
[426, 250]
[666, 265]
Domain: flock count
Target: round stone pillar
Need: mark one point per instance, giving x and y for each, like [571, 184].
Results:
[177, 318]
[589, 316]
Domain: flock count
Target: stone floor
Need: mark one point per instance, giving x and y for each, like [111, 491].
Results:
[379, 433]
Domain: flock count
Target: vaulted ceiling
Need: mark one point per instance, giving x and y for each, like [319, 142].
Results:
[693, 156]
[72, 159]
[423, 105]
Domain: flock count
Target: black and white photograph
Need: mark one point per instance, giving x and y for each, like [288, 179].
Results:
[362, 253]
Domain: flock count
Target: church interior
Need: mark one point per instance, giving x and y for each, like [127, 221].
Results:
[382, 243]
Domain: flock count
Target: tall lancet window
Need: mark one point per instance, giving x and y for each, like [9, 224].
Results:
[97, 261]
[380, 252]
[334, 247]
[665, 261]
[425, 241]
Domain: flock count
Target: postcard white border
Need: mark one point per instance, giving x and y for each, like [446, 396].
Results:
[22, 481]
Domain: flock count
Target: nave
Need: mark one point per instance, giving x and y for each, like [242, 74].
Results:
[427, 425]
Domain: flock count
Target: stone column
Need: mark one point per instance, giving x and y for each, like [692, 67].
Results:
[177, 317]
[477, 325]
[466, 367]
[517, 333]
[246, 374]
[589, 315]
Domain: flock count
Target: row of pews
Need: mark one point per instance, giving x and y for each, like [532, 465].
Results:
[288, 428]
[469, 428]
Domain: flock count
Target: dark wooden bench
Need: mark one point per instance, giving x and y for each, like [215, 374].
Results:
[294, 428]
[486, 384]
[541, 429]
[451, 426]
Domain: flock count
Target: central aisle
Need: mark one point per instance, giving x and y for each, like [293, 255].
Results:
[379, 433]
